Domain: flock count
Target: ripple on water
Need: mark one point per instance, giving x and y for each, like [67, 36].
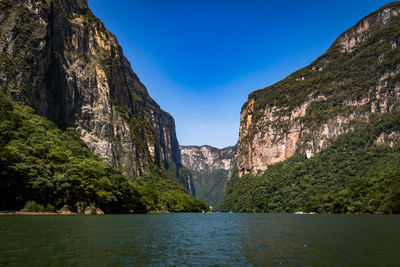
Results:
[218, 239]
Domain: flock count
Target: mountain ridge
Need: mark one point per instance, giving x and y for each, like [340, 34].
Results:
[280, 110]
[211, 168]
[81, 79]
[354, 85]
[57, 58]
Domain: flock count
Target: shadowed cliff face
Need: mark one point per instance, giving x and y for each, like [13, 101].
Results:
[57, 57]
[356, 78]
[211, 168]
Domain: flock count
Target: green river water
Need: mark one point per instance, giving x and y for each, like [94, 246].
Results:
[190, 239]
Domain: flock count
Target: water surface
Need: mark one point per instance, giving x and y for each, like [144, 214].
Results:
[189, 239]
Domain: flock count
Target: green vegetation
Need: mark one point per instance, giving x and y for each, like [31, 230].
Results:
[163, 195]
[211, 185]
[337, 76]
[32, 206]
[91, 19]
[354, 174]
[45, 168]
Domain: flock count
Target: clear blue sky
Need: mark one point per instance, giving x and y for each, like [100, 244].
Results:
[199, 59]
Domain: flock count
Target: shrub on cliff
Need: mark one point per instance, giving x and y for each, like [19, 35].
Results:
[42, 164]
[353, 175]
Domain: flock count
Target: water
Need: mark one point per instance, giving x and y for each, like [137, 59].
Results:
[218, 239]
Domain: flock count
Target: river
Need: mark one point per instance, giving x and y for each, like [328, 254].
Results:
[195, 239]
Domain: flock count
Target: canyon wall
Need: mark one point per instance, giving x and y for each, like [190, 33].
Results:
[356, 79]
[210, 168]
[57, 57]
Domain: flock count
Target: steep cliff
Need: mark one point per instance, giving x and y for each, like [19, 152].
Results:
[211, 168]
[44, 168]
[324, 131]
[57, 57]
[358, 76]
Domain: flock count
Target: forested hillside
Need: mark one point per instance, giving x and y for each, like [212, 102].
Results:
[358, 173]
[326, 138]
[54, 168]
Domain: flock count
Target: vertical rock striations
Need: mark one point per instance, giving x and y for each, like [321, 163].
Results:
[57, 57]
[356, 78]
[211, 168]
[326, 138]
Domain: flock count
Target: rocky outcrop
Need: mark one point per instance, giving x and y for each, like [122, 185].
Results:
[388, 139]
[207, 158]
[352, 38]
[210, 168]
[91, 211]
[356, 79]
[65, 210]
[57, 57]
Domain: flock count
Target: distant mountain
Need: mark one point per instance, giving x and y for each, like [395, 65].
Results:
[211, 168]
[326, 138]
[59, 59]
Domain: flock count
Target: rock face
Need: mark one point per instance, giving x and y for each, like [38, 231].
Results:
[357, 78]
[211, 168]
[57, 57]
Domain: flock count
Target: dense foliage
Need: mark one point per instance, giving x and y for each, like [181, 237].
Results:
[163, 195]
[337, 76]
[41, 163]
[210, 186]
[354, 174]
[32, 206]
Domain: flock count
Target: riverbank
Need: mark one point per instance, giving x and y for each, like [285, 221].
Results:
[35, 213]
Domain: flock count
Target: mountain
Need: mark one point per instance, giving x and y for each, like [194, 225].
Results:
[59, 59]
[318, 139]
[211, 168]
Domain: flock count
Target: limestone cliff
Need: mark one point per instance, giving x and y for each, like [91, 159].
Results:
[57, 57]
[357, 77]
[211, 168]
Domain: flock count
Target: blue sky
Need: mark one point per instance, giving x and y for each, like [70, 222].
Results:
[199, 59]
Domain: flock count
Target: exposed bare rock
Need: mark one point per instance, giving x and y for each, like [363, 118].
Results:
[207, 158]
[390, 139]
[57, 57]
[211, 168]
[90, 211]
[357, 78]
[366, 27]
[65, 210]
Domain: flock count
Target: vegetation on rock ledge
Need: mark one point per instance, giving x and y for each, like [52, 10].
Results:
[41, 164]
[355, 174]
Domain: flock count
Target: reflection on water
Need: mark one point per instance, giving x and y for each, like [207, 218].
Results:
[218, 239]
